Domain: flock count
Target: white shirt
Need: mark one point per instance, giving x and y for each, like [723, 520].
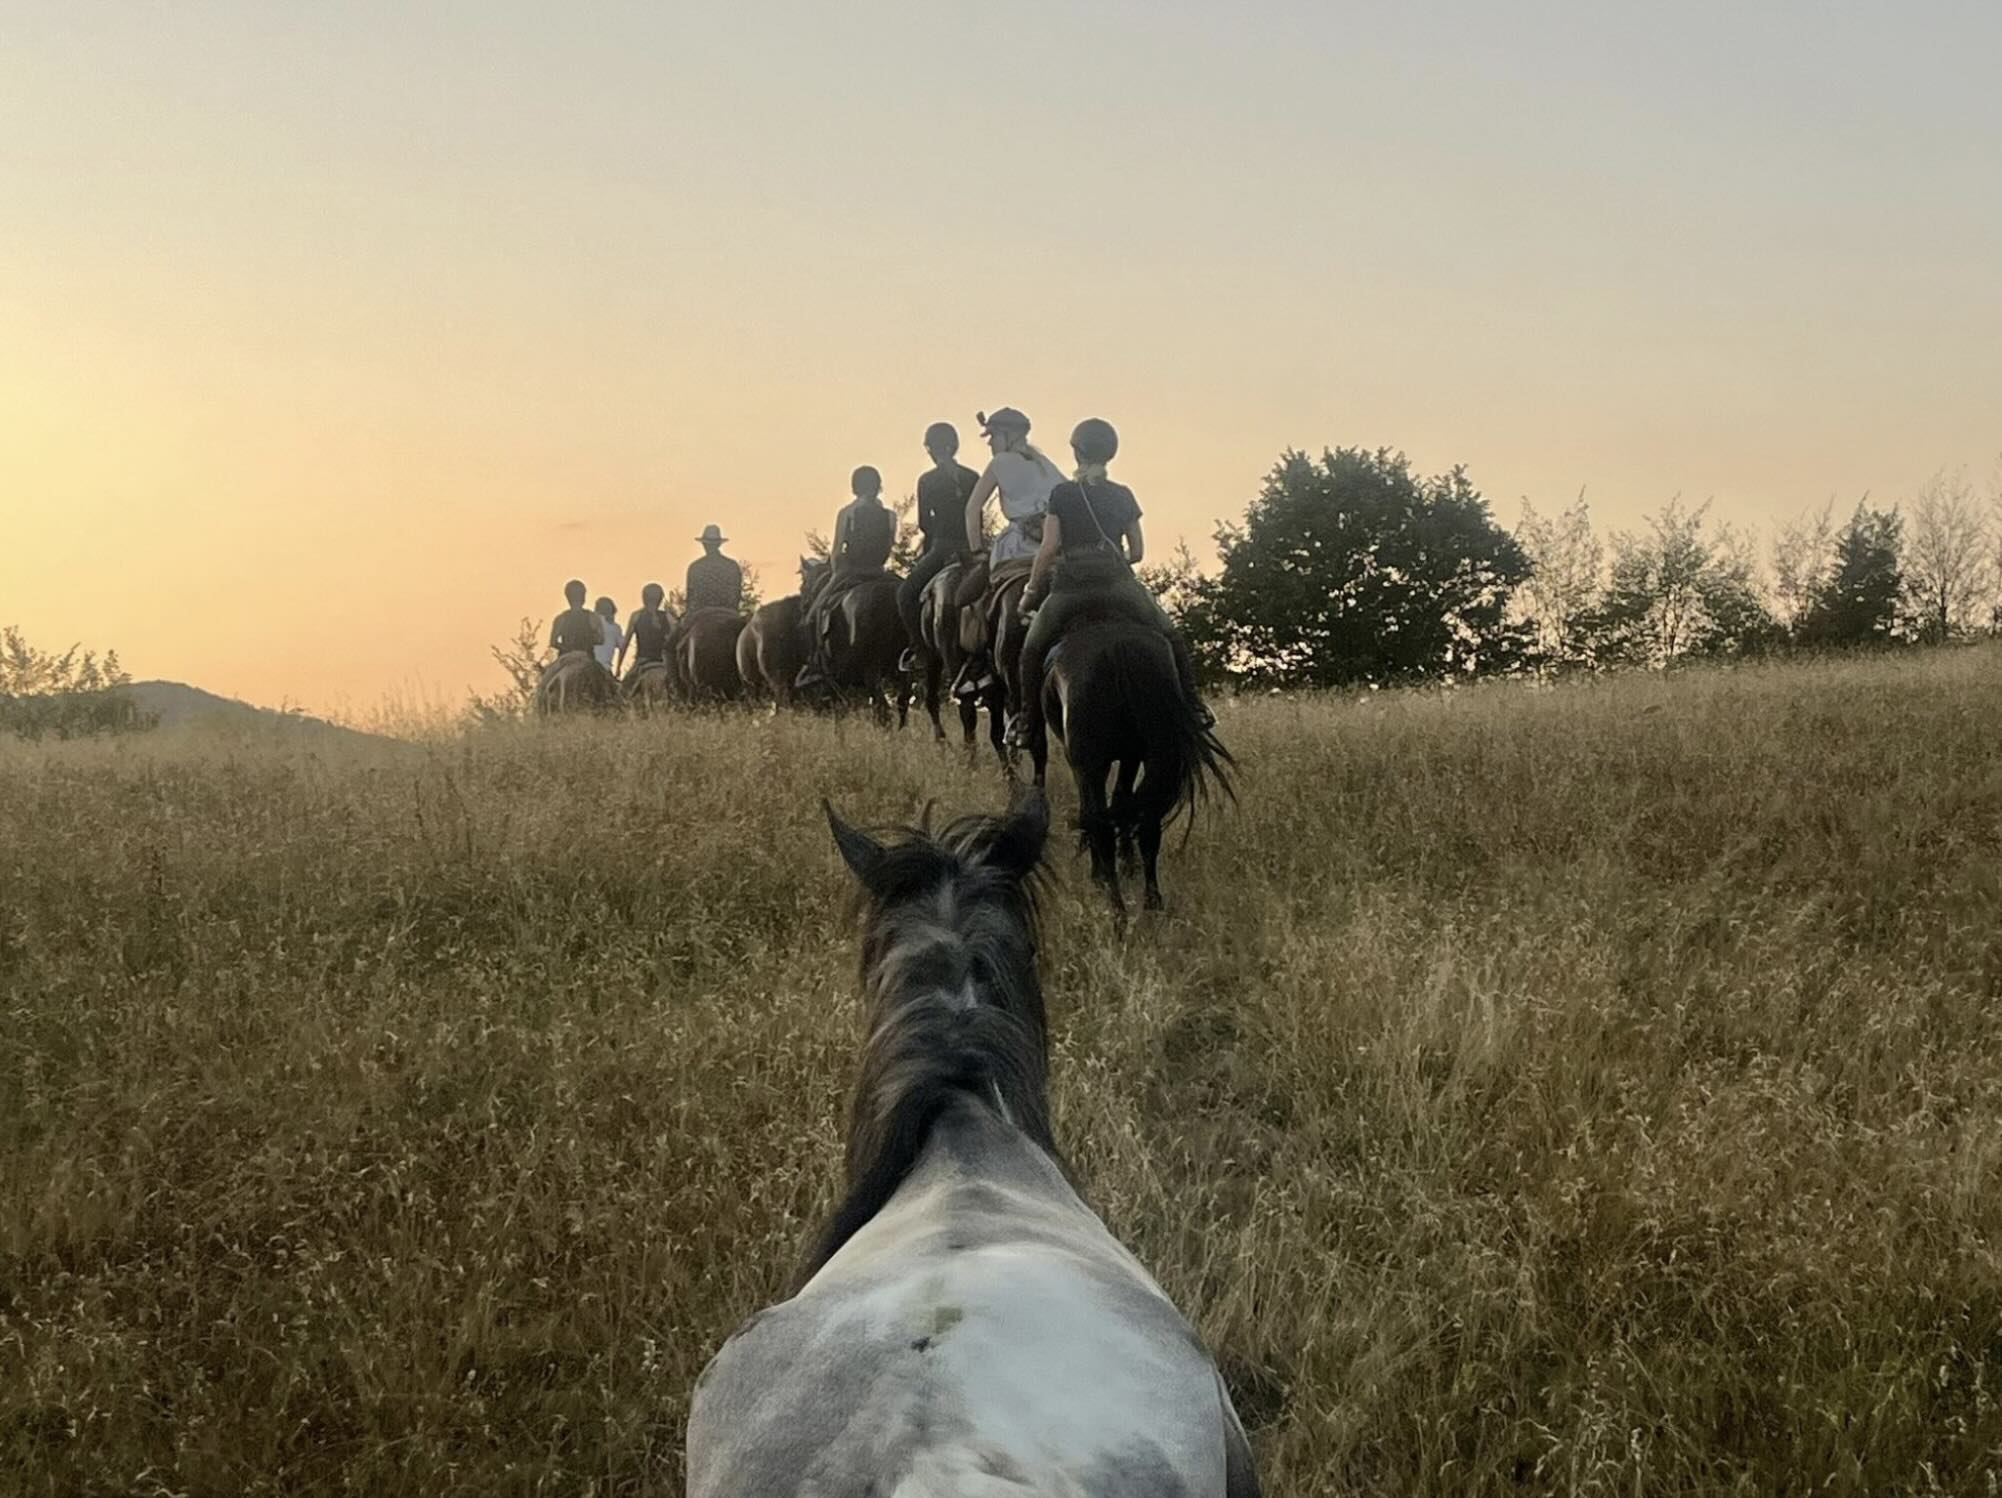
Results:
[609, 650]
[1025, 487]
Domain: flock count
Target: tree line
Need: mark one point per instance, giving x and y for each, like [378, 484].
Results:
[1354, 569]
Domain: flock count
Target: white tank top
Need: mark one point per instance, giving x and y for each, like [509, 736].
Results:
[1025, 487]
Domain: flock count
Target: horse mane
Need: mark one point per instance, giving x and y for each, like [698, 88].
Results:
[955, 1009]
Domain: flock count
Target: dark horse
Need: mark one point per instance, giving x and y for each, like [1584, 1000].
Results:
[772, 648]
[964, 1323]
[1113, 697]
[865, 641]
[702, 656]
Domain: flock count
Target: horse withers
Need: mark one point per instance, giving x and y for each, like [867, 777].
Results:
[1139, 752]
[965, 1323]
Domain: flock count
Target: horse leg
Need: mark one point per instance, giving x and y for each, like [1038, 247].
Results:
[1125, 817]
[1095, 817]
[934, 672]
[1150, 859]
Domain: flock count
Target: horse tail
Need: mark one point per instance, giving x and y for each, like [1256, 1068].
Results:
[1186, 763]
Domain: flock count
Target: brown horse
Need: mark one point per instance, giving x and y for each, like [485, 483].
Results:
[650, 688]
[944, 654]
[865, 642]
[702, 656]
[773, 646]
[574, 683]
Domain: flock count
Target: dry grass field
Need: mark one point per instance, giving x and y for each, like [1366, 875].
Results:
[1590, 1090]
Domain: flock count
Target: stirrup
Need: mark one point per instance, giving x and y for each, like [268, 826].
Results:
[1019, 734]
[908, 661]
[1204, 716]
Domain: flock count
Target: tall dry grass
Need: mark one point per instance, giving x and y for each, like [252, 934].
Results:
[1593, 1090]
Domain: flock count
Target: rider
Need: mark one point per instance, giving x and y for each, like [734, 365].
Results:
[714, 581]
[614, 642]
[865, 532]
[646, 631]
[1091, 540]
[576, 628]
[942, 494]
[1023, 477]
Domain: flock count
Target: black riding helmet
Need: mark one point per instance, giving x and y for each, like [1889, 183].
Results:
[1094, 441]
[652, 594]
[942, 436]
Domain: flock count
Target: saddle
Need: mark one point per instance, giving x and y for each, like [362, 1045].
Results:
[981, 594]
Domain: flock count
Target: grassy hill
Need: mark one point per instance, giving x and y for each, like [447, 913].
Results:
[178, 705]
[1581, 1090]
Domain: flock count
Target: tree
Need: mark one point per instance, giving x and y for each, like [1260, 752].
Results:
[1678, 592]
[1857, 603]
[66, 695]
[1946, 560]
[1803, 550]
[1566, 562]
[521, 657]
[1354, 569]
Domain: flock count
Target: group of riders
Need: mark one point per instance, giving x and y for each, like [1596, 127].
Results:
[1076, 540]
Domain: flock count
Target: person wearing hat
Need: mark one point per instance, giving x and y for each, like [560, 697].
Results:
[647, 631]
[714, 581]
[1022, 478]
[576, 628]
[1091, 543]
[943, 490]
[865, 533]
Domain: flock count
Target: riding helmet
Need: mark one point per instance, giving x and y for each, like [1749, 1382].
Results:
[1095, 441]
[942, 434]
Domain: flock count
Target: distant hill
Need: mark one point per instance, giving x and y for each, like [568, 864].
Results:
[175, 704]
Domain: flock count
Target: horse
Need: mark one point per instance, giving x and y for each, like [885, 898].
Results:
[1112, 696]
[774, 645]
[944, 654]
[702, 656]
[964, 1323]
[650, 688]
[866, 641]
[575, 682]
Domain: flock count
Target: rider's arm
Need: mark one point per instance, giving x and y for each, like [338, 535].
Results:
[1046, 557]
[838, 552]
[554, 625]
[975, 503]
[1136, 544]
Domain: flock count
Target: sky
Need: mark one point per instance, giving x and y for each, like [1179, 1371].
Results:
[334, 338]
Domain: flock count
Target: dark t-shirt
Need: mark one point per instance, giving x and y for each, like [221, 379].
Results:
[576, 629]
[1112, 504]
[871, 533]
[714, 582]
[647, 632]
[942, 497]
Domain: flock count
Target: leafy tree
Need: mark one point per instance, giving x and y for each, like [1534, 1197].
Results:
[66, 695]
[521, 657]
[1803, 550]
[1858, 602]
[1678, 591]
[1566, 562]
[1355, 569]
[1946, 560]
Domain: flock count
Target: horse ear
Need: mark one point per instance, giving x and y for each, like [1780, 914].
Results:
[861, 852]
[1018, 845]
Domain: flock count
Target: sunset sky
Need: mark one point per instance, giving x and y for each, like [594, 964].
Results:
[334, 337]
